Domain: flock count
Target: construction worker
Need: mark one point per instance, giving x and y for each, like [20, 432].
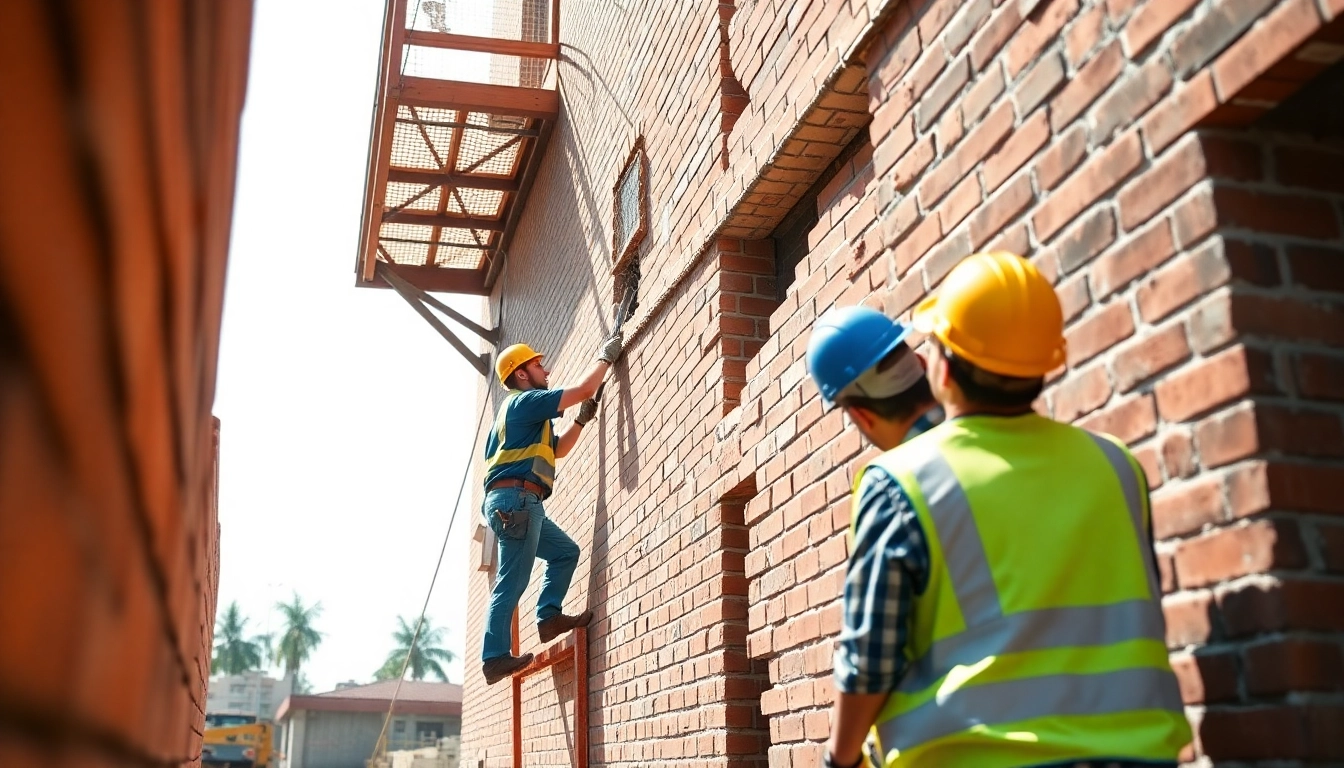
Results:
[520, 453]
[1001, 603]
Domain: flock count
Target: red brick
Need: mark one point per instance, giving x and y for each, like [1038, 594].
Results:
[1332, 546]
[1081, 393]
[1259, 486]
[1282, 665]
[1130, 99]
[1037, 32]
[970, 18]
[1179, 510]
[1320, 377]
[1073, 296]
[1203, 39]
[1084, 34]
[1317, 269]
[1265, 45]
[1100, 331]
[1152, 468]
[1087, 237]
[1276, 213]
[1283, 604]
[979, 143]
[981, 96]
[1167, 180]
[1038, 84]
[1059, 160]
[1310, 168]
[1185, 106]
[1231, 159]
[1001, 208]
[1003, 22]
[1289, 318]
[912, 165]
[1227, 436]
[1118, 10]
[1129, 420]
[1185, 279]
[1021, 145]
[941, 92]
[1151, 22]
[1194, 218]
[1148, 356]
[1142, 253]
[918, 243]
[1097, 177]
[1206, 678]
[1189, 618]
[1084, 88]
[1227, 553]
[1212, 382]
[1258, 733]
[1178, 454]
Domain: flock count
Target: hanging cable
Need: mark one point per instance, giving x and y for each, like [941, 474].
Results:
[379, 745]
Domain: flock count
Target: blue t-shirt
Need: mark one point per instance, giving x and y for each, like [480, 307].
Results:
[522, 441]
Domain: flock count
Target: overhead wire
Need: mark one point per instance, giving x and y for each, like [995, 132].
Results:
[380, 744]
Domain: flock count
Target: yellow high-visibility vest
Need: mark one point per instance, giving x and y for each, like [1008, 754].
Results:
[537, 458]
[1039, 637]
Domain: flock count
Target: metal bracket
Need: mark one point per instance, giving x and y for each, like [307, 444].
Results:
[418, 299]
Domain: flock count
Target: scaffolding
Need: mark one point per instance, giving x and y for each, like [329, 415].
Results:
[465, 105]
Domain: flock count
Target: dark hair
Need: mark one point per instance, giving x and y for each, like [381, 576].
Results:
[899, 406]
[511, 381]
[995, 390]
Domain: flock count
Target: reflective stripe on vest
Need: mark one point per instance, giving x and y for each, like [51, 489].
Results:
[1007, 666]
[542, 453]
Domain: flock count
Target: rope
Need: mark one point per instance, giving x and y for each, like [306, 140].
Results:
[380, 744]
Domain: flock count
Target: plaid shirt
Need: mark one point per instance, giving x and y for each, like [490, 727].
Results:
[888, 566]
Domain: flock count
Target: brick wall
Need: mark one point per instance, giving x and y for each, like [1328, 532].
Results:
[1129, 148]
[112, 256]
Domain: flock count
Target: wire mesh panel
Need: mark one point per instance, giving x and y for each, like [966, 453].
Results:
[629, 217]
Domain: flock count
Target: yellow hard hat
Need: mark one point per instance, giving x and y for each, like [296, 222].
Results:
[997, 312]
[512, 358]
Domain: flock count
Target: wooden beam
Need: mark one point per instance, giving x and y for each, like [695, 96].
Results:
[425, 219]
[461, 181]
[436, 280]
[523, 48]
[479, 97]
[380, 143]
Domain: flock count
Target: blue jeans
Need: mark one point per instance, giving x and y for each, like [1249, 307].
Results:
[524, 533]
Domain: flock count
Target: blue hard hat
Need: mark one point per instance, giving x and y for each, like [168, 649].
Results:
[845, 342]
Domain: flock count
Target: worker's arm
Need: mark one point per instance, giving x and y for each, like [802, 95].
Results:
[607, 354]
[888, 566]
[577, 393]
[852, 715]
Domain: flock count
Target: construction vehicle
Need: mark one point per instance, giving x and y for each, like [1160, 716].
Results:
[238, 741]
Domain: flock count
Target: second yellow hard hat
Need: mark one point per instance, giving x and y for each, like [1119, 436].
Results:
[998, 312]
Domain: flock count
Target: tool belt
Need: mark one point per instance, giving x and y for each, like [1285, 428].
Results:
[514, 482]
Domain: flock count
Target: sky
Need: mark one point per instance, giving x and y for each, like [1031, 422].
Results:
[345, 419]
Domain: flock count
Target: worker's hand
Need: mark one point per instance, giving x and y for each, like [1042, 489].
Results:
[610, 350]
[587, 411]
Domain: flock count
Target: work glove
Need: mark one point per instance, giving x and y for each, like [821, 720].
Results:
[587, 411]
[610, 350]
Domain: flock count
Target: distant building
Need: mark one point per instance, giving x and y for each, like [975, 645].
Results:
[251, 693]
[339, 729]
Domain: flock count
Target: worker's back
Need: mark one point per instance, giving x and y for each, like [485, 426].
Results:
[1039, 636]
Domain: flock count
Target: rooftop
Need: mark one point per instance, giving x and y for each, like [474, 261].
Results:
[416, 697]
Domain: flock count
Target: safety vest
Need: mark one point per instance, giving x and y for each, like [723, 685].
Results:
[537, 459]
[1039, 637]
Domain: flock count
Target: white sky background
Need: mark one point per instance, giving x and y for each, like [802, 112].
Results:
[345, 419]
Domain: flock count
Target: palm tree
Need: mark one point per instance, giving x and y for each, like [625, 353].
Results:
[298, 639]
[426, 658]
[233, 653]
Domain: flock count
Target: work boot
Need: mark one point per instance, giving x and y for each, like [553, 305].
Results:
[549, 629]
[501, 667]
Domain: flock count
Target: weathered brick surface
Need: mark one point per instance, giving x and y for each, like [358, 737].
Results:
[1198, 262]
